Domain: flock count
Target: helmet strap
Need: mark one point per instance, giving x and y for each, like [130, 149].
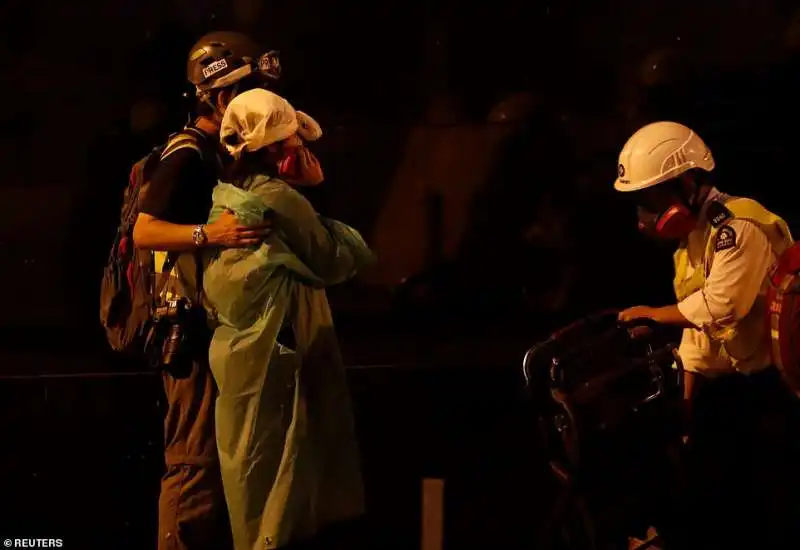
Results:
[234, 91]
[693, 190]
[692, 200]
[688, 193]
[703, 189]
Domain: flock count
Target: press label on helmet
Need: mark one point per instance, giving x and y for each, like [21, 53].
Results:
[215, 67]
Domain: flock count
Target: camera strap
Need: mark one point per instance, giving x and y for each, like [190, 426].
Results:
[159, 284]
[198, 277]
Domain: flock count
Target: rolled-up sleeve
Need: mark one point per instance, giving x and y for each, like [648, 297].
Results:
[742, 257]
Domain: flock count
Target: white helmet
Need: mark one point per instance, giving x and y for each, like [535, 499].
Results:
[659, 152]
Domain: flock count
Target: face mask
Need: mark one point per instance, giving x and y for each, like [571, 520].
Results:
[675, 223]
[299, 166]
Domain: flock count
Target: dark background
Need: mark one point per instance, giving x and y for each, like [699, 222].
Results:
[475, 147]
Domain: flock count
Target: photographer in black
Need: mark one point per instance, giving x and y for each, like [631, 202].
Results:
[173, 210]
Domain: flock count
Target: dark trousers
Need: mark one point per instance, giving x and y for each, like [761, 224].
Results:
[192, 512]
[742, 466]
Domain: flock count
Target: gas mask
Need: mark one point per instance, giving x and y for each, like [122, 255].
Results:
[673, 224]
[665, 212]
[298, 165]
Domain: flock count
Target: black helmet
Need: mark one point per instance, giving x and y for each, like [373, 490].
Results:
[220, 59]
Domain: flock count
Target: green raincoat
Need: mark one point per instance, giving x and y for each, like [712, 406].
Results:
[285, 434]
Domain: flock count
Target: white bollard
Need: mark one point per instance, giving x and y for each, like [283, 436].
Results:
[432, 514]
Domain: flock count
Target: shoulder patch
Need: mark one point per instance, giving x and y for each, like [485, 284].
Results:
[717, 213]
[726, 238]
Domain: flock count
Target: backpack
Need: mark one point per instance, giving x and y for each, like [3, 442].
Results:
[129, 289]
[783, 316]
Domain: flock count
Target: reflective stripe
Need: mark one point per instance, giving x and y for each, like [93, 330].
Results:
[775, 318]
[774, 228]
[186, 143]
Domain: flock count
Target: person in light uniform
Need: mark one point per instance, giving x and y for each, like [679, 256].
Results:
[725, 249]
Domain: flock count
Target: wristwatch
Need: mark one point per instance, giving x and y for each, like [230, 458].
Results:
[199, 236]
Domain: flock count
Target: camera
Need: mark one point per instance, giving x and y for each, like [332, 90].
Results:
[175, 323]
[172, 309]
[173, 315]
